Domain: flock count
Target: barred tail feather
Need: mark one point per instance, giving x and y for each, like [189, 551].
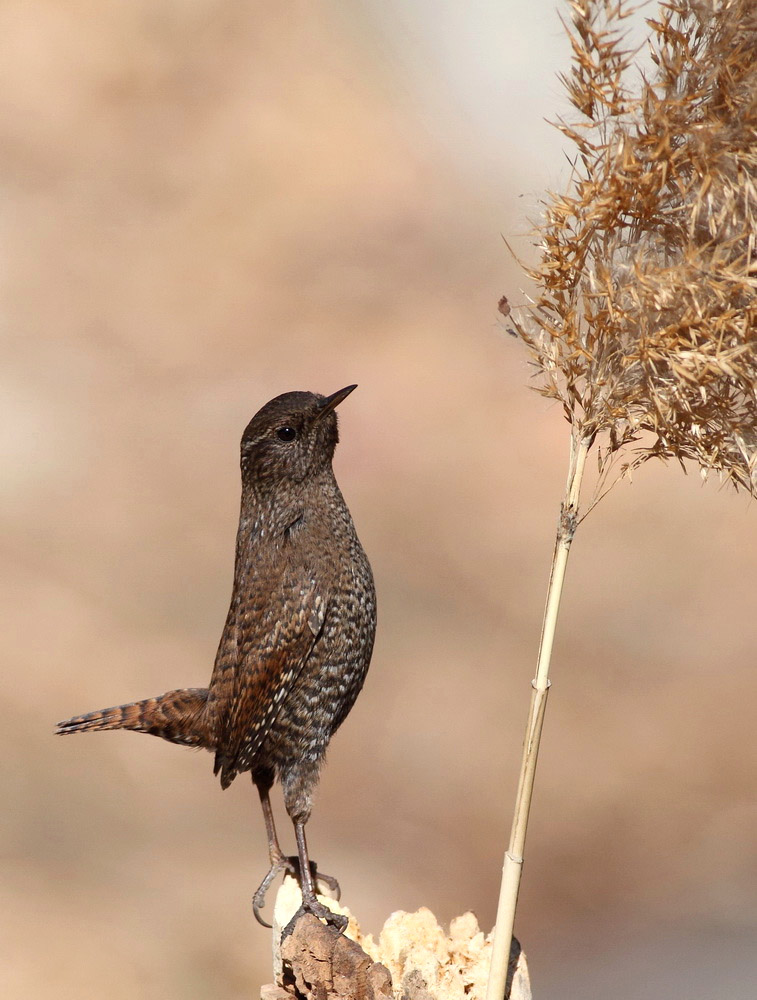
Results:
[177, 716]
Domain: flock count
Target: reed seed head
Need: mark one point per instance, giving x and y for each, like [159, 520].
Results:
[644, 324]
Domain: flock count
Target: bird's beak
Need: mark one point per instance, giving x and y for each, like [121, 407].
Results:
[332, 401]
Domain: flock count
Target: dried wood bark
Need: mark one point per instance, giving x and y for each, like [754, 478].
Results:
[320, 963]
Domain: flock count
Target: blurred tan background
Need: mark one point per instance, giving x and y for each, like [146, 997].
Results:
[205, 204]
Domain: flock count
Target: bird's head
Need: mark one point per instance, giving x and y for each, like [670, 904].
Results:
[292, 437]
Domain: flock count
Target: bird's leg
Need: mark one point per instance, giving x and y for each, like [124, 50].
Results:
[279, 861]
[274, 848]
[308, 877]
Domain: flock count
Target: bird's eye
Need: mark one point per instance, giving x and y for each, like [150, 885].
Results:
[286, 433]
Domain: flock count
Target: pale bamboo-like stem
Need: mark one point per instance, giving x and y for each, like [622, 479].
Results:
[513, 863]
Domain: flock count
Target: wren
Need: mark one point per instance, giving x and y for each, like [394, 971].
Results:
[298, 636]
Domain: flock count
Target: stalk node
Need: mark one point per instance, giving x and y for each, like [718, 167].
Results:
[535, 684]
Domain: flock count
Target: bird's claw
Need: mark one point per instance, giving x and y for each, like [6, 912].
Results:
[292, 867]
[278, 865]
[320, 910]
[329, 881]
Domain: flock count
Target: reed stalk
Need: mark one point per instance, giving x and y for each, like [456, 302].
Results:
[513, 863]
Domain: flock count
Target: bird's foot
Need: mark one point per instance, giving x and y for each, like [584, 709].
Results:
[328, 880]
[292, 867]
[320, 910]
[278, 864]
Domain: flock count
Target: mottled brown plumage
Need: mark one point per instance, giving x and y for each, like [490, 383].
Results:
[299, 632]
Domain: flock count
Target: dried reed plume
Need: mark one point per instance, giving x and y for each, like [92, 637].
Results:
[643, 325]
[646, 314]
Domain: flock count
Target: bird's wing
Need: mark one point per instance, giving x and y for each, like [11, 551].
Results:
[278, 618]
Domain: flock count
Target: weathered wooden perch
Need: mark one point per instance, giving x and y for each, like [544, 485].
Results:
[413, 959]
[321, 963]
